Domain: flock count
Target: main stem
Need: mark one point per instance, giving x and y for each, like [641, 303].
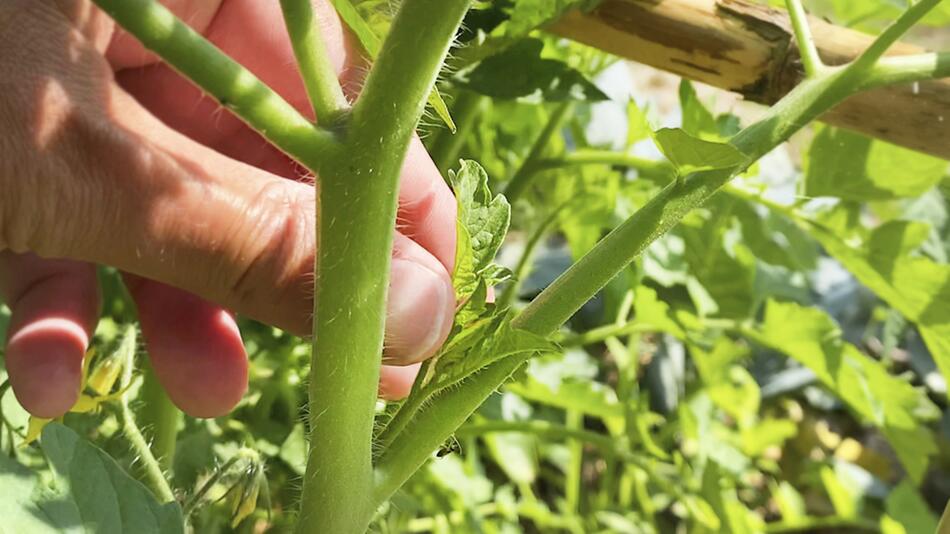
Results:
[355, 219]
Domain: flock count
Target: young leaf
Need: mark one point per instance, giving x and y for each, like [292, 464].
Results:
[482, 225]
[521, 72]
[482, 333]
[691, 154]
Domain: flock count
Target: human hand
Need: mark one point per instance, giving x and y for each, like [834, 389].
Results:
[108, 156]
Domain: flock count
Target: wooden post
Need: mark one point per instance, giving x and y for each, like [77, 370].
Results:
[749, 49]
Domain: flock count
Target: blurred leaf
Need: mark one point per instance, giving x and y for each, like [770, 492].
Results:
[757, 438]
[521, 72]
[656, 313]
[527, 15]
[294, 450]
[697, 120]
[811, 337]
[730, 386]
[909, 511]
[88, 491]
[515, 452]
[845, 498]
[522, 17]
[790, 503]
[588, 397]
[702, 512]
[638, 127]
[854, 167]
[917, 287]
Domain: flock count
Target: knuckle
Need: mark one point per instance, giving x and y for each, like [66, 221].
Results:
[278, 242]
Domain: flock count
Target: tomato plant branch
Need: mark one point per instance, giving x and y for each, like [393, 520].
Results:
[313, 60]
[355, 221]
[866, 61]
[226, 80]
[806, 43]
[904, 69]
[151, 468]
[559, 301]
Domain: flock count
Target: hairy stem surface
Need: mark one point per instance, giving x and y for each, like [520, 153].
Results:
[356, 216]
[313, 60]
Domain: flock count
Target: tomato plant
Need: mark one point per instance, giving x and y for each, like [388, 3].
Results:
[566, 402]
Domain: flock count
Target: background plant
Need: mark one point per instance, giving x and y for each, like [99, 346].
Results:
[795, 409]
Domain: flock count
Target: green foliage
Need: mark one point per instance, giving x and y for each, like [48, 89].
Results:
[762, 366]
[810, 336]
[87, 490]
[886, 261]
[482, 226]
[521, 72]
[852, 167]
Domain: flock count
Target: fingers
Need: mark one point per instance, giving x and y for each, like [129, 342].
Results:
[199, 358]
[195, 348]
[395, 383]
[420, 306]
[55, 307]
[245, 30]
[427, 208]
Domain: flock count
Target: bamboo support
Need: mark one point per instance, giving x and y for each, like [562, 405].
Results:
[749, 49]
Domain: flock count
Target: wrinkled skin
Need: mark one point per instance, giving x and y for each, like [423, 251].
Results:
[108, 156]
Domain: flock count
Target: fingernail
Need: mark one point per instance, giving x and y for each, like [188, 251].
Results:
[420, 308]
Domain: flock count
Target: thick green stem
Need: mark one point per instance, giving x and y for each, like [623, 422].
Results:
[806, 43]
[612, 254]
[160, 418]
[313, 60]
[221, 77]
[523, 176]
[356, 216]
